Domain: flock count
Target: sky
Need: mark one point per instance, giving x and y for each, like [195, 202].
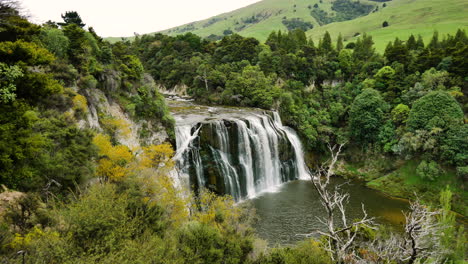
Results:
[119, 18]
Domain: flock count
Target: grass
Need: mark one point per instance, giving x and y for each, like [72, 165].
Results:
[405, 17]
[405, 183]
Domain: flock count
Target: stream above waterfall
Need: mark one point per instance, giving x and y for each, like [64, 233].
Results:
[247, 153]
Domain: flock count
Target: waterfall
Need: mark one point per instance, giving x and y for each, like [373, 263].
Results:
[239, 156]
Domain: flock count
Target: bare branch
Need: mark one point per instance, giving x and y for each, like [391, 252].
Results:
[340, 241]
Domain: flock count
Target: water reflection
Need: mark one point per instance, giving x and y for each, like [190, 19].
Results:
[294, 209]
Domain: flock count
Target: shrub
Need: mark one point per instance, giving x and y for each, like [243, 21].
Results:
[80, 104]
[436, 109]
[87, 82]
[428, 170]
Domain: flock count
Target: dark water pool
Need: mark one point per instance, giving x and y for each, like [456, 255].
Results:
[294, 208]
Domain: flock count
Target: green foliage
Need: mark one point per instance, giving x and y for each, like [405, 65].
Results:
[37, 149]
[25, 52]
[308, 251]
[453, 240]
[344, 10]
[202, 244]
[77, 48]
[366, 116]
[251, 88]
[131, 67]
[102, 218]
[462, 172]
[436, 109]
[348, 10]
[8, 75]
[55, 41]
[152, 105]
[428, 170]
[128, 222]
[400, 114]
[296, 23]
[72, 17]
[13, 26]
[454, 149]
[235, 48]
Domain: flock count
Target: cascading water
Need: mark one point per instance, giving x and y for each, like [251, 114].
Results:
[237, 151]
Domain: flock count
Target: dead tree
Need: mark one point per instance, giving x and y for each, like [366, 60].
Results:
[341, 234]
[420, 241]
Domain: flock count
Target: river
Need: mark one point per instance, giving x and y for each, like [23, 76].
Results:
[248, 154]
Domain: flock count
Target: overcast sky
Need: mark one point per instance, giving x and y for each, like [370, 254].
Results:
[116, 18]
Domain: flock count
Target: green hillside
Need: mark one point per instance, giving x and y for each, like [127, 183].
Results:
[268, 15]
[405, 17]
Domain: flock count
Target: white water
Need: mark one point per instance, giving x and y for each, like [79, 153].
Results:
[244, 155]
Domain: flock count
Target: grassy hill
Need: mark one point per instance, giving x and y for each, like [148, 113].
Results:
[404, 17]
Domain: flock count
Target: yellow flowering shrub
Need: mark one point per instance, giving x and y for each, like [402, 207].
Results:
[114, 160]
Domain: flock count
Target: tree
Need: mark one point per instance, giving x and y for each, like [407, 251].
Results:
[227, 32]
[454, 147]
[114, 160]
[77, 45]
[340, 239]
[339, 43]
[326, 44]
[397, 52]
[411, 43]
[345, 58]
[385, 24]
[13, 26]
[363, 49]
[366, 116]
[55, 41]
[400, 114]
[428, 170]
[436, 109]
[251, 88]
[422, 239]
[72, 17]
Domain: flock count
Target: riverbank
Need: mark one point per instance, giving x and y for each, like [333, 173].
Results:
[398, 179]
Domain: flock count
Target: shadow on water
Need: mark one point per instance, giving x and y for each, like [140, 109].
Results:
[294, 208]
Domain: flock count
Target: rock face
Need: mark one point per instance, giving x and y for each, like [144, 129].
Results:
[102, 108]
[239, 156]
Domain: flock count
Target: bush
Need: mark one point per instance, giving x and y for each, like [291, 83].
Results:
[366, 116]
[87, 82]
[462, 172]
[297, 23]
[400, 114]
[436, 109]
[428, 170]
[308, 252]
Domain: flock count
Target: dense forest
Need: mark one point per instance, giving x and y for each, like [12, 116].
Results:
[406, 106]
[74, 193]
